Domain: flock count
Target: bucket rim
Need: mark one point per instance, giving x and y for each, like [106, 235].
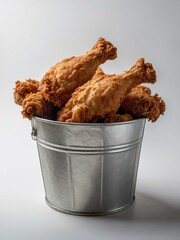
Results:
[87, 124]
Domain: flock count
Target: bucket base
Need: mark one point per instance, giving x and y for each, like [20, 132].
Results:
[89, 213]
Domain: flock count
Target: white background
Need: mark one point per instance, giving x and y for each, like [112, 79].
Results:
[34, 35]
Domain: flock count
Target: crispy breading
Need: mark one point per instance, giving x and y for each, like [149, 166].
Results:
[103, 95]
[141, 104]
[36, 105]
[112, 118]
[139, 90]
[62, 79]
[22, 89]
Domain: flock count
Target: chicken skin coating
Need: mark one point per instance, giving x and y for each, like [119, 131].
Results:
[22, 89]
[112, 118]
[35, 105]
[103, 95]
[61, 80]
[141, 104]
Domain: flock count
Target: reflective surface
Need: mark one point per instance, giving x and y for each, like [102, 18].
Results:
[88, 169]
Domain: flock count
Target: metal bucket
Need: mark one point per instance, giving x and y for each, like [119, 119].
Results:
[88, 169]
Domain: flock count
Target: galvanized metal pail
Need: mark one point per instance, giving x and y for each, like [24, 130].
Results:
[88, 169]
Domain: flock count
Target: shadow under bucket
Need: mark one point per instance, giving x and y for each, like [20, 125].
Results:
[88, 169]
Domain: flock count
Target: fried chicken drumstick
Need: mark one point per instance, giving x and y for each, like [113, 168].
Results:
[112, 117]
[103, 95]
[22, 89]
[35, 105]
[62, 79]
[141, 104]
[40, 98]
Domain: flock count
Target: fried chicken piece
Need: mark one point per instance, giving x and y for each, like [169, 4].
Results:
[99, 72]
[139, 90]
[62, 79]
[104, 94]
[141, 104]
[22, 89]
[35, 105]
[112, 118]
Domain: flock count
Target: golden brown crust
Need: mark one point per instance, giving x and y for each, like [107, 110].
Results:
[22, 89]
[141, 104]
[104, 94]
[112, 118]
[35, 105]
[142, 71]
[62, 79]
[139, 90]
